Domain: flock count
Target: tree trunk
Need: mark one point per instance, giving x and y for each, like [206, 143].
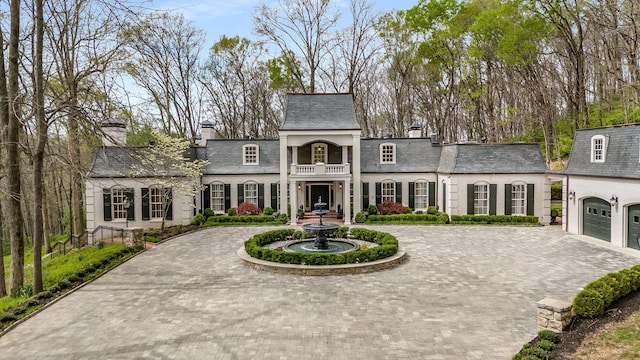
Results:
[38, 156]
[3, 284]
[46, 222]
[4, 119]
[13, 156]
[77, 222]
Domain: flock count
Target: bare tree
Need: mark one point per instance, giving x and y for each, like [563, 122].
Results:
[164, 61]
[299, 28]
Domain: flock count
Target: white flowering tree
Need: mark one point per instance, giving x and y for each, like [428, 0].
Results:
[171, 166]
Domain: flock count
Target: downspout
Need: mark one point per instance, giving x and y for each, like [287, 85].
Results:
[566, 216]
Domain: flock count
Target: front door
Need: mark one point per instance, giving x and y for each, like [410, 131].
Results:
[319, 191]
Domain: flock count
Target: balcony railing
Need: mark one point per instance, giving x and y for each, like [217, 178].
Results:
[320, 169]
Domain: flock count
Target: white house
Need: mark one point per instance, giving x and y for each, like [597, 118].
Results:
[320, 152]
[602, 185]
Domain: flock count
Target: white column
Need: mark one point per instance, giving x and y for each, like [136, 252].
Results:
[294, 202]
[283, 175]
[346, 197]
[355, 169]
[294, 154]
[345, 154]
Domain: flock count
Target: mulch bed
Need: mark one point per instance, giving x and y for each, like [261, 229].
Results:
[579, 328]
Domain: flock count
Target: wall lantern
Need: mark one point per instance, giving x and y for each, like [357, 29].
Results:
[340, 185]
[614, 200]
[299, 187]
[572, 194]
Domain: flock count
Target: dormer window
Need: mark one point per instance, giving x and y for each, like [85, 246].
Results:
[251, 155]
[388, 153]
[319, 153]
[598, 148]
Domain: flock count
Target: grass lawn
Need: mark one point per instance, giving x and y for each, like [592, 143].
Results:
[615, 341]
[56, 269]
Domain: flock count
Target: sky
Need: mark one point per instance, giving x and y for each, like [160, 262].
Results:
[234, 17]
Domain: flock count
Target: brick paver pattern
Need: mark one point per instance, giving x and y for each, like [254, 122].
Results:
[464, 292]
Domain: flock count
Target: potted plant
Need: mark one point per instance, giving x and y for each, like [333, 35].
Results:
[554, 215]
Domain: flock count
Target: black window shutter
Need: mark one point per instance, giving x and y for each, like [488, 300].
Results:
[206, 197]
[131, 211]
[365, 196]
[493, 189]
[378, 193]
[261, 196]
[399, 192]
[470, 202]
[507, 199]
[530, 199]
[145, 203]
[106, 204]
[240, 193]
[274, 197]
[169, 199]
[432, 193]
[412, 195]
[227, 197]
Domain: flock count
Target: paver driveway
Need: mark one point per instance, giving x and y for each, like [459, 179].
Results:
[465, 292]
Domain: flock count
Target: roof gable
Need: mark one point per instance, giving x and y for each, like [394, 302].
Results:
[320, 112]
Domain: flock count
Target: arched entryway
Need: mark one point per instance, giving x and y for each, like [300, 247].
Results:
[633, 227]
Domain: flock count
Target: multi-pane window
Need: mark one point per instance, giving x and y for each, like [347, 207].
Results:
[250, 155]
[118, 203]
[481, 199]
[597, 148]
[388, 191]
[421, 195]
[156, 200]
[388, 153]
[251, 193]
[518, 199]
[217, 197]
[319, 153]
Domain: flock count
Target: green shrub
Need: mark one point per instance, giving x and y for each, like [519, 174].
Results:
[493, 219]
[239, 220]
[73, 278]
[431, 210]
[588, 303]
[602, 287]
[372, 210]
[231, 212]
[19, 310]
[548, 335]
[360, 218]
[283, 218]
[545, 345]
[208, 212]
[199, 219]
[267, 211]
[43, 295]
[535, 351]
[154, 239]
[300, 213]
[443, 218]
[341, 232]
[6, 318]
[631, 278]
[100, 245]
[408, 210]
[26, 291]
[405, 219]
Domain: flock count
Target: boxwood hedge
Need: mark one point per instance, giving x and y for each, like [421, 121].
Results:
[243, 220]
[598, 295]
[493, 219]
[408, 219]
[388, 245]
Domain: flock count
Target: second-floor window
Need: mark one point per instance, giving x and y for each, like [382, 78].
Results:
[250, 155]
[597, 148]
[388, 153]
[319, 153]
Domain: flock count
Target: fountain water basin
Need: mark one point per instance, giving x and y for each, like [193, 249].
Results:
[321, 244]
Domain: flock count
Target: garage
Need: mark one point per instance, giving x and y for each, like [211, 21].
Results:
[596, 218]
[633, 227]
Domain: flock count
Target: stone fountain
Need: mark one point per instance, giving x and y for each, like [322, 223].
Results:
[321, 244]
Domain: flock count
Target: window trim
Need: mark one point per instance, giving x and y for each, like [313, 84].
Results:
[425, 196]
[486, 199]
[524, 199]
[244, 191]
[325, 153]
[392, 146]
[602, 150]
[245, 158]
[123, 191]
[388, 197]
[211, 197]
[161, 191]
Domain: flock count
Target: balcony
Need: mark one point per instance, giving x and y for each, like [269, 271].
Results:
[320, 169]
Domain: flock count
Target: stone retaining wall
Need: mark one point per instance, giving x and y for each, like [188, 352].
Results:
[554, 315]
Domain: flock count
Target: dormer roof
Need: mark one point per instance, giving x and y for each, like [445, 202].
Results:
[319, 112]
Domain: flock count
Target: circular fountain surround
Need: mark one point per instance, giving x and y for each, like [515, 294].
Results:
[320, 244]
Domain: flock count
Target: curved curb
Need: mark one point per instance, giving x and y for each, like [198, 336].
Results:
[322, 270]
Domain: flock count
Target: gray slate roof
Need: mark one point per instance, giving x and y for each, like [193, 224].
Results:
[621, 155]
[492, 159]
[225, 157]
[120, 162]
[320, 112]
[412, 155]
